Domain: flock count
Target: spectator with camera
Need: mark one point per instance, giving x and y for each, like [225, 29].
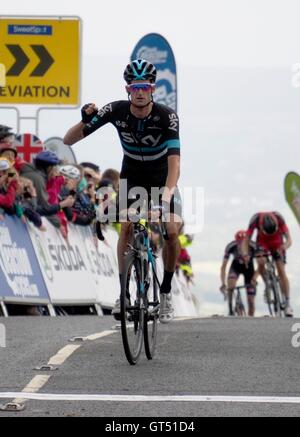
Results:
[26, 204]
[40, 173]
[82, 212]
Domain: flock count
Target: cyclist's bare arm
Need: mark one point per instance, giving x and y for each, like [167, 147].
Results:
[173, 177]
[288, 241]
[245, 246]
[223, 272]
[74, 134]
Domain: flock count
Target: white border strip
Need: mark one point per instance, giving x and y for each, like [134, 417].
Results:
[138, 398]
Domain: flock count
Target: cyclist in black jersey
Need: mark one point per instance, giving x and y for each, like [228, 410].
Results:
[242, 264]
[149, 135]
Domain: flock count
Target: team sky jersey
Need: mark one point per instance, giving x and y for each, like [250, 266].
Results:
[234, 249]
[270, 242]
[149, 140]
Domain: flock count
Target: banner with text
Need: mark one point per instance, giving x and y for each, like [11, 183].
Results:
[20, 275]
[75, 271]
[156, 49]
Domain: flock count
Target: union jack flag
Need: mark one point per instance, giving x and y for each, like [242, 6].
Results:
[28, 146]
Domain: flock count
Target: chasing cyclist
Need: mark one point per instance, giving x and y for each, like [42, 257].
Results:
[273, 237]
[149, 135]
[242, 264]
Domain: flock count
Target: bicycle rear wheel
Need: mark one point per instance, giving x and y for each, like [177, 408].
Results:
[151, 315]
[132, 309]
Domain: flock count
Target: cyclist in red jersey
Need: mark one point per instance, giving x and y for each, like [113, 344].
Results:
[273, 237]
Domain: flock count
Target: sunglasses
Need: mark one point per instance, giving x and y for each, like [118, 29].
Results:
[134, 87]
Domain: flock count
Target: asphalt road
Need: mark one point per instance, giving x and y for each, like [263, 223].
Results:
[198, 357]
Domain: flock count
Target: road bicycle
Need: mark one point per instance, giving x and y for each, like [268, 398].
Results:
[238, 306]
[139, 300]
[273, 294]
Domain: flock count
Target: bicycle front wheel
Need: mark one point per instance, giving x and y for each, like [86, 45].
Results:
[277, 298]
[132, 309]
[151, 314]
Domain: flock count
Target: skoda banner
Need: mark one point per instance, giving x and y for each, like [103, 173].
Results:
[20, 276]
[156, 49]
[292, 193]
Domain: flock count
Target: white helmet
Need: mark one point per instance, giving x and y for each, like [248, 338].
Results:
[70, 171]
[5, 164]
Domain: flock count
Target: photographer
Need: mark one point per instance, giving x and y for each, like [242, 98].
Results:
[26, 203]
[83, 211]
[39, 173]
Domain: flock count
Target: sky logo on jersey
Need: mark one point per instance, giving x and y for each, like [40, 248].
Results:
[156, 49]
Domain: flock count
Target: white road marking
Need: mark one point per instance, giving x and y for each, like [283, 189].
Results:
[63, 354]
[99, 335]
[57, 360]
[33, 387]
[67, 351]
[152, 398]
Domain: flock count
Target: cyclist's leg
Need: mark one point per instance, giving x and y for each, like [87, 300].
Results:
[280, 260]
[261, 261]
[251, 289]
[171, 248]
[124, 239]
[232, 279]
[171, 251]
[125, 200]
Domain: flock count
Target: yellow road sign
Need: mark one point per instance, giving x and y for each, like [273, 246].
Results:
[41, 59]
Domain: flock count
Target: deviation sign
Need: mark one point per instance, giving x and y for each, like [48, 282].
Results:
[21, 60]
[41, 58]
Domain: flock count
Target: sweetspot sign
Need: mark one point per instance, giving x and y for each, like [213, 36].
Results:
[40, 59]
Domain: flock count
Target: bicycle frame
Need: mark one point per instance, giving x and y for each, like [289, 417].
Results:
[273, 285]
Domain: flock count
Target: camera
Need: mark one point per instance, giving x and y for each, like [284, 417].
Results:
[27, 194]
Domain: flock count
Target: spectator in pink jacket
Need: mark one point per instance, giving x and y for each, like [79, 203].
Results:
[8, 187]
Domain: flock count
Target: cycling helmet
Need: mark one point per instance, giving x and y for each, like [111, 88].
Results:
[10, 147]
[5, 164]
[5, 131]
[47, 158]
[70, 171]
[190, 238]
[268, 223]
[240, 236]
[140, 69]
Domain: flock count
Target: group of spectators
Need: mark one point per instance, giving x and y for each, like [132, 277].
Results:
[62, 192]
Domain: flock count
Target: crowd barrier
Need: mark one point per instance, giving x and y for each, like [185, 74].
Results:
[43, 268]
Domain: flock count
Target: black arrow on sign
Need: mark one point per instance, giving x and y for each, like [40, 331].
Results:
[45, 60]
[21, 60]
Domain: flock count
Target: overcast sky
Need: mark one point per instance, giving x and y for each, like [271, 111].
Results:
[202, 32]
[239, 112]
